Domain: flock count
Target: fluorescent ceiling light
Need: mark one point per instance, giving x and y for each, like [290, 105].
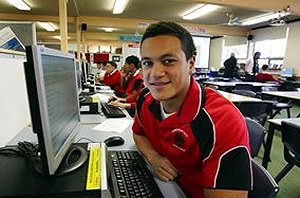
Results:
[119, 6]
[199, 11]
[108, 29]
[20, 4]
[48, 26]
[261, 18]
[59, 38]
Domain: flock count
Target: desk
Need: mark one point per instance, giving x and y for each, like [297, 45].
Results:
[232, 84]
[274, 124]
[291, 95]
[235, 98]
[169, 189]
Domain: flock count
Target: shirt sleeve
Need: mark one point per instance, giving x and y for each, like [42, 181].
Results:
[136, 127]
[226, 160]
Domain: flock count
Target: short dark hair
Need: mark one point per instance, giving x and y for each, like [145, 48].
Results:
[113, 64]
[133, 60]
[265, 67]
[172, 29]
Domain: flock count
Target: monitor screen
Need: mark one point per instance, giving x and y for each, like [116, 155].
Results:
[287, 72]
[53, 100]
[78, 77]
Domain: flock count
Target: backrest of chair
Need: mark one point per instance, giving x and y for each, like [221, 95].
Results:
[291, 137]
[264, 184]
[256, 135]
[244, 92]
[243, 87]
[257, 110]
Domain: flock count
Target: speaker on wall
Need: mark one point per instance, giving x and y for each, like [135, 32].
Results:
[250, 37]
[83, 27]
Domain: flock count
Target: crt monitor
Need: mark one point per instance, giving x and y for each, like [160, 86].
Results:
[287, 72]
[53, 101]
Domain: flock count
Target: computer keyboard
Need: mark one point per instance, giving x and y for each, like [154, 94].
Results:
[112, 111]
[130, 176]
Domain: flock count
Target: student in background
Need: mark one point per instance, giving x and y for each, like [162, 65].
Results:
[230, 66]
[112, 77]
[252, 64]
[173, 107]
[264, 75]
[100, 72]
[134, 85]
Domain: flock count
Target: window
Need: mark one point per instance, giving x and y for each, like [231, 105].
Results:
[271, 48]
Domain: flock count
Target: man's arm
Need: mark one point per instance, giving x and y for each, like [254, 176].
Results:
[160, 165]
[215, 193]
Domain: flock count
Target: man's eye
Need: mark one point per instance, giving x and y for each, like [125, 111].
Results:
[147, 63]
[168, 61]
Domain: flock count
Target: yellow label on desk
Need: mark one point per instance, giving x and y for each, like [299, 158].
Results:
[94, 171]
[94, 99]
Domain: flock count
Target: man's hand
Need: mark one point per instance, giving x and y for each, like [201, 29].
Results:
[163, 168]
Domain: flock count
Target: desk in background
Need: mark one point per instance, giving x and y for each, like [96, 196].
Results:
[235, 98]
[230, 85]
[274, 124]
[290, 95]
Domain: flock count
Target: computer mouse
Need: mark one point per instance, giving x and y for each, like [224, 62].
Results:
[114, 141]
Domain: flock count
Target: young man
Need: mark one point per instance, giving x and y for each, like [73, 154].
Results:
[101, 69]
[216, 163]
[112, 77]
[134, 85]
[252, 64]
[264, 75]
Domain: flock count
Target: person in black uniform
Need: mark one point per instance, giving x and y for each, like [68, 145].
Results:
[230, 66]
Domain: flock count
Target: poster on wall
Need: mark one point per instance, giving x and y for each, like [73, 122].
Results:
[9, 40]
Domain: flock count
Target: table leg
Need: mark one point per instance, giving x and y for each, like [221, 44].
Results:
[268, 146]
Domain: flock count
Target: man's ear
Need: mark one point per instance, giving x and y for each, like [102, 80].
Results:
[191, 63]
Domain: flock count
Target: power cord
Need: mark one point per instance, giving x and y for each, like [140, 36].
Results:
[25, 149]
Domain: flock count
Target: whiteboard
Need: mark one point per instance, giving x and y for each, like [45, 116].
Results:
[14, 114]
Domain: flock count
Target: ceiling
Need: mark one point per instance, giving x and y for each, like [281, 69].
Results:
[138, 14]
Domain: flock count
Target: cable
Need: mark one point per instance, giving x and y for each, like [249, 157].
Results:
[83, 138]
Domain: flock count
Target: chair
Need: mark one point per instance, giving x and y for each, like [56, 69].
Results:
[243, 87]
[263, 183]
[257, 110]
[277, 106]
[256, 135]
[244, 92]
[291, 147]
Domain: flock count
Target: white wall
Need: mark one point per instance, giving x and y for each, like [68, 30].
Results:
[292, 54]
[216, 51]
[14, 114]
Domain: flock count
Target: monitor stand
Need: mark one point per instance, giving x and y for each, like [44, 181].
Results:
[74, 158]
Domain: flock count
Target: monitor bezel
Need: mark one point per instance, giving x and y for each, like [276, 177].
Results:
[39, 113]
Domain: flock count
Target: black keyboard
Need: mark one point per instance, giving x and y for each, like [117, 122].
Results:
[112, 111]
[130, 176]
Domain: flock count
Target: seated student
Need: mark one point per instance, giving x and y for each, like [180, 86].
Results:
[264, 75]
[112, 77]
[134, 85]
[100, 72]
[174, 108]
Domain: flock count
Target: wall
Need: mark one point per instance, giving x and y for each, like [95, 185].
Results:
[292, 54]
[14, 114]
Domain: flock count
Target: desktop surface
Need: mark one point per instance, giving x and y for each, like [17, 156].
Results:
[18, 178]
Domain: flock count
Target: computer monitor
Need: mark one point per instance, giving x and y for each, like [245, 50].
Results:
[53, 101]
[85, 71]
[287, 72]
[78, 77]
